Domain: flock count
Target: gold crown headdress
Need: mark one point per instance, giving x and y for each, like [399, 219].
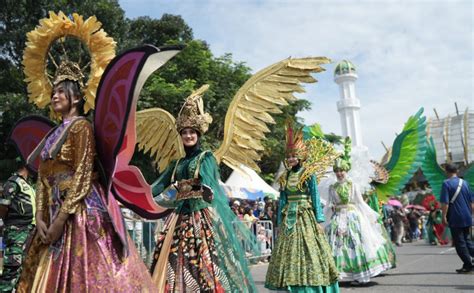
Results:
[100, 47]
[192, 113]
[69, 70]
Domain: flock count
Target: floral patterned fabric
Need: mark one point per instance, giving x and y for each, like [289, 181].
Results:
[355, 235]
[346, 239]
[373, 202]
[87, 258]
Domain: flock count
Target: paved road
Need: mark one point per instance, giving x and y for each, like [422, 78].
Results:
[420, 268]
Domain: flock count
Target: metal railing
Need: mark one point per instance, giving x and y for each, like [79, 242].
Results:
[264, 233]
[144, 234]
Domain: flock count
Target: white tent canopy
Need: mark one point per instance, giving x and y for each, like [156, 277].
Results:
[251, 180]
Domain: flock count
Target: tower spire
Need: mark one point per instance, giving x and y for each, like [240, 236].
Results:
[348, 106]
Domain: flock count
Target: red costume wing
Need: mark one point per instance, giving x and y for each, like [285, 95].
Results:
[27, 134]
[114, 124]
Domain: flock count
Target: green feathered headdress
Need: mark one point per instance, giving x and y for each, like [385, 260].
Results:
[344, 161]
[320, 154]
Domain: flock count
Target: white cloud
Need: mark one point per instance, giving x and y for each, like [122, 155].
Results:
[409, 54]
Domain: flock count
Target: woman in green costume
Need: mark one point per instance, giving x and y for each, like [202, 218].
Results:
[198, 249]
[301, 261]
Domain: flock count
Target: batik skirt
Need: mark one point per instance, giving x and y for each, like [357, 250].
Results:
[193, 255]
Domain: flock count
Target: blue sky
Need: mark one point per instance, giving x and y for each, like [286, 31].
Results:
[409, 54]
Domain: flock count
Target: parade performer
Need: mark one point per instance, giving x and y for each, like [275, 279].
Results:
[302, 260]
[395, 169]
[80, 242]
[354, 231]
[435, 230]
[200, 245]
[17, 210]
[197, 249]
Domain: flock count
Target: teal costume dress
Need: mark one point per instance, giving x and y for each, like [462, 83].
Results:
[301, 261]
[199, 248]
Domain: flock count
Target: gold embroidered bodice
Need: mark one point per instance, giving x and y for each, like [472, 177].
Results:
[71, 171]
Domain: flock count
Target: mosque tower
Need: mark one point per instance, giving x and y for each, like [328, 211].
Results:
[348, 106]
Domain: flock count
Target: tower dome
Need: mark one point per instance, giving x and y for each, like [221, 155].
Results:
[344, 67]
[348, 106]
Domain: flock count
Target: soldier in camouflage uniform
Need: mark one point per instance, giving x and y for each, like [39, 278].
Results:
[17, 207]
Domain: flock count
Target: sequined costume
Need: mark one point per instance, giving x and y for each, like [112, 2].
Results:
[301, 261]
[198, 250]
[88, 257]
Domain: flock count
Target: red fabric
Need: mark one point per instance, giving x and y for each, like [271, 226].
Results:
[438, 230]
[430, 201]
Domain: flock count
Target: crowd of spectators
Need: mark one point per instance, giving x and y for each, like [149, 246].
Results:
[260, 216]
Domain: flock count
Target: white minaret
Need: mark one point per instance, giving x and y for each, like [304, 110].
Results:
[348, 106]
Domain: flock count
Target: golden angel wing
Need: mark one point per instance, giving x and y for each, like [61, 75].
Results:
[249, 112]
[156, 134]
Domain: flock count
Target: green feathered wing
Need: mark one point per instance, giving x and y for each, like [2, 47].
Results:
[432, 171]
[469, 176]
[408, 151]
[312, 131]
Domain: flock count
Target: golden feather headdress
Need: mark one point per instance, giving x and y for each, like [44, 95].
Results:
[100, 47]
[192, 113]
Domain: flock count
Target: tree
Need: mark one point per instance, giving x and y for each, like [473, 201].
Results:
[274, 145]
[166, 88]
[144, 30]
[17, 18]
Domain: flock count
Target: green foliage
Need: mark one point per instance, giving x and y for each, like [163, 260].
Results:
[167, 88]
[274, 145]
[333, 138]
[144, 30]
[17, 18]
